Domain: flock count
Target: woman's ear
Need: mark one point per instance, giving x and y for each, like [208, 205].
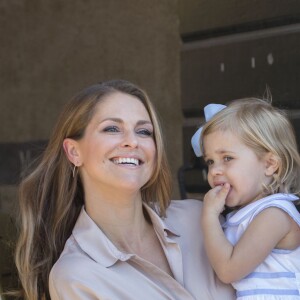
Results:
[272, 163]
[72, 151]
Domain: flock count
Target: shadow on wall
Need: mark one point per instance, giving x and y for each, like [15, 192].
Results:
[15, 158]
[8, 275]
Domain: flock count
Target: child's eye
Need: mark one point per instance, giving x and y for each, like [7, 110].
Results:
[228, 158]
[111, 129]
[145, 132]
[209, 162]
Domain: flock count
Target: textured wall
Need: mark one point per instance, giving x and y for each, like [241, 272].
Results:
[50, 49]
[199, 15]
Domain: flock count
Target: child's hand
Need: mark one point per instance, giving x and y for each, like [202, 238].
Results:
[214, 200]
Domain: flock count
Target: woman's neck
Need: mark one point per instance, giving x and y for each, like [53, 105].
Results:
[124, 221]
[120, 217]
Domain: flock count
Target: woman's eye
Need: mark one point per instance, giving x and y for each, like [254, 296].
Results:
[111, 129]
[145, 132]
[228, 158]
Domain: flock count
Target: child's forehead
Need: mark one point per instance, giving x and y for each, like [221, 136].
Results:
[222, 132]
[223, 137]
[223, 141]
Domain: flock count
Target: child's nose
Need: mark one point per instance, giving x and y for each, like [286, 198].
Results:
[216, 169]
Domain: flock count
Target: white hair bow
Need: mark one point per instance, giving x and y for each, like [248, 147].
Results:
[209, 111]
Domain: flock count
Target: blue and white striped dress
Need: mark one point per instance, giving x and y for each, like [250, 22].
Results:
[278, 277]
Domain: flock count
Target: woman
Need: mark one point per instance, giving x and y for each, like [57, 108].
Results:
[97, 222]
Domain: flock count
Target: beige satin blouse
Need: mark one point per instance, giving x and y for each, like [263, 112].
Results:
[91, 267]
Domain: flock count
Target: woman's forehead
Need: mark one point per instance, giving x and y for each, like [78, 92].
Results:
[121, 106]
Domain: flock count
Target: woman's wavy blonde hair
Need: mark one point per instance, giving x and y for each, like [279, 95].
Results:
[50, 198]
[263, 128]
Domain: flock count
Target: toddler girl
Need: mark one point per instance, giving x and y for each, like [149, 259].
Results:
[253, 167]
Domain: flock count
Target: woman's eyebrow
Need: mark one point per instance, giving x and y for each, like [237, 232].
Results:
[143, 122]
[118, 120]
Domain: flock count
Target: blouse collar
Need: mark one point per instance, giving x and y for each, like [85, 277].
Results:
[92, 240]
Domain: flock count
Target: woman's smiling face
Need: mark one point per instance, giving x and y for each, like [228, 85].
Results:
[117, 150]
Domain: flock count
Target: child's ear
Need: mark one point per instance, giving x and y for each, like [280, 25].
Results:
[272, 163]
[72, 151]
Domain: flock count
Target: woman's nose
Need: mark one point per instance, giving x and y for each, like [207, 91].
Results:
[130, 140]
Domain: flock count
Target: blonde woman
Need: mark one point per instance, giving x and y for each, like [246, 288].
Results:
[253, 167]
[97, 220]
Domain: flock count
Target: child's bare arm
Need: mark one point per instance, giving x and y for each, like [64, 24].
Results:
[232, 263]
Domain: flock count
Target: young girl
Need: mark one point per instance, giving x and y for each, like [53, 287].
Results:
[253, 167]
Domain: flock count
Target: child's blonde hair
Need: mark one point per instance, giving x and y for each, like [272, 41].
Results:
[263, 128]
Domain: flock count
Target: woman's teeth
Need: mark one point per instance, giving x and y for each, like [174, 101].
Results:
[126, 160]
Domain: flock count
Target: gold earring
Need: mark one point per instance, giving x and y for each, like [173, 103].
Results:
[74, 169]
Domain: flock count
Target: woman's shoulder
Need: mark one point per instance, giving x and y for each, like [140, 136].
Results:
[185, 204]
[74, 276]
[71, 261]
[188, 210]
[74, 273]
